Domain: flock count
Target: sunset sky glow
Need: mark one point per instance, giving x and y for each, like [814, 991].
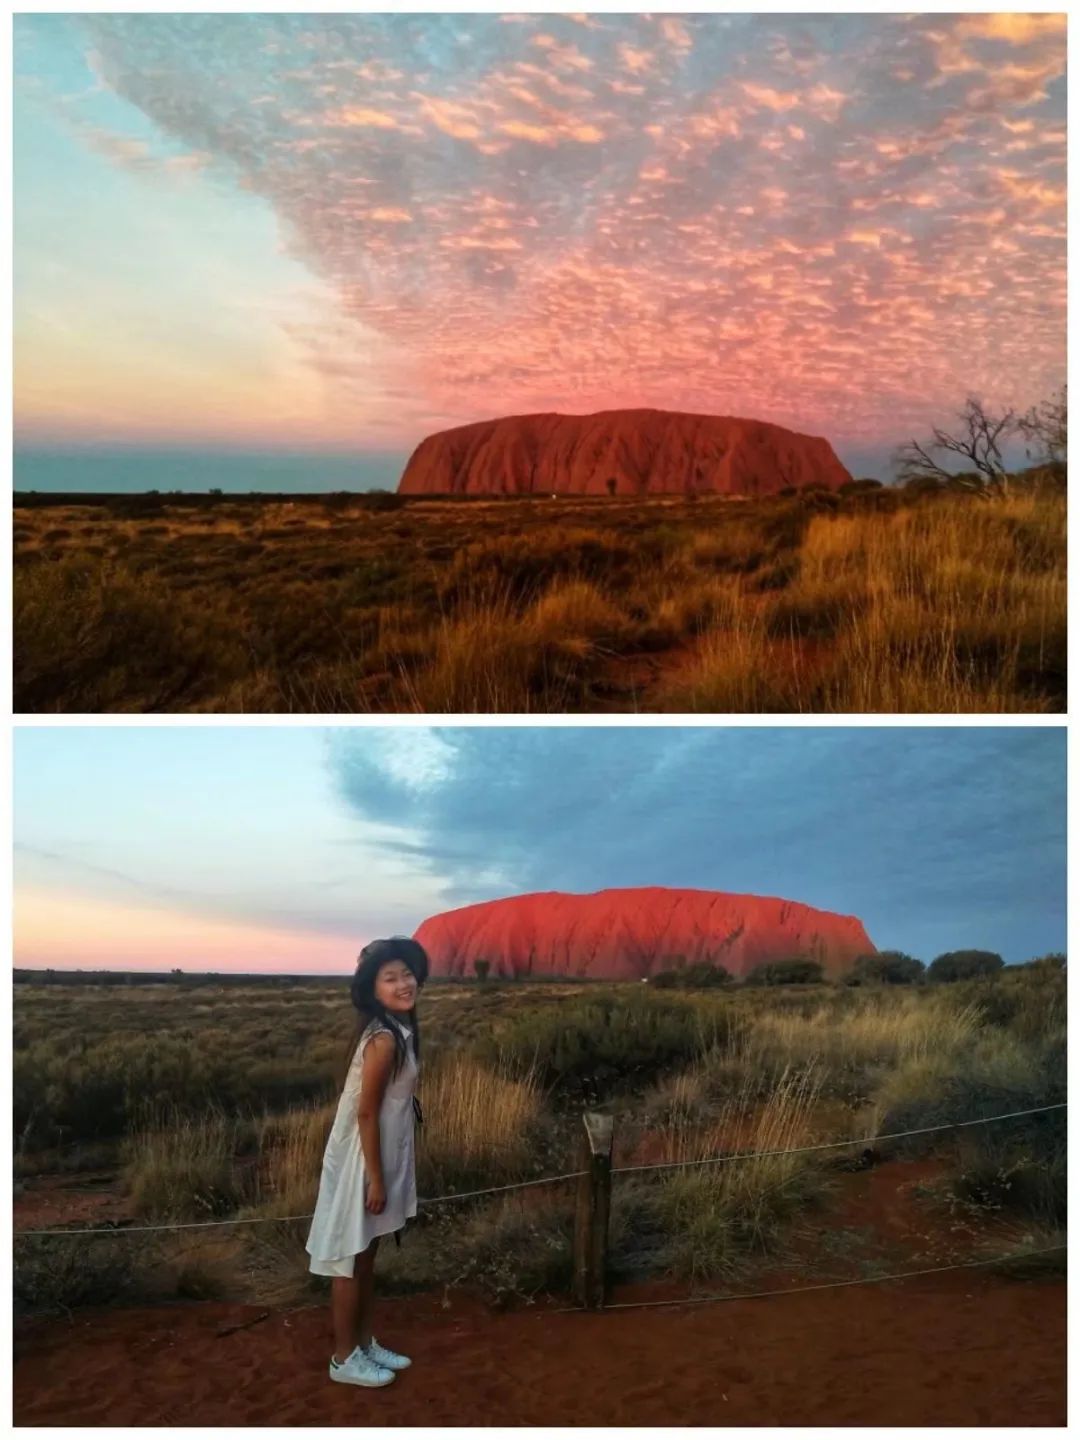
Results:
[345, 232]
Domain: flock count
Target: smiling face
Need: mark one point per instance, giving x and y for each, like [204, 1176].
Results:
[395, 987]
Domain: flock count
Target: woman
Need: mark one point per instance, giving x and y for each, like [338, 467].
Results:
[368, 1184]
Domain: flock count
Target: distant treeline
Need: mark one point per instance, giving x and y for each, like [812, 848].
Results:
[187, 978]
[165, 977]
[144, 501]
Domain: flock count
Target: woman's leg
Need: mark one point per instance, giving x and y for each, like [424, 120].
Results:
[365, 1282]
[345, 1311]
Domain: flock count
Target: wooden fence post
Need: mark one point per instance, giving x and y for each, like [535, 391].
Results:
[593, 1211]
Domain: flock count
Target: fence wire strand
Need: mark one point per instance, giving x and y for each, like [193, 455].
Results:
[831, 1144]
[551, 1179]
[806, 1289]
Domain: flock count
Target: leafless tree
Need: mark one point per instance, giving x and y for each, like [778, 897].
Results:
[978, 441]
[1045, 427]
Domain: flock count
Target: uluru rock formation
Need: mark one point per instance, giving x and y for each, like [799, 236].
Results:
[620, 452]
[631, 934]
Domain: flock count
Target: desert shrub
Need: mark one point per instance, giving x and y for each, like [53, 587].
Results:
[638, 1239]
[135, 506]
[601, 1042]
[54, 1274]
[703, 975]
[73, 1088]
[677, 1104]
[964, 965]
[1028, 1001]
[814, 614]
[377, 500]
[520, 568]
[184, 1168]
[93, 635]
[1013, 1171]
[1018, 1164]
[787, 972]
[887, 967]
[853, 1037]
[511, 1248]
[713, 1218]
[776, 576]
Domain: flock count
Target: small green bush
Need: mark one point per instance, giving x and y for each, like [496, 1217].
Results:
[965, 965]
[787, 972]
[703, 975]
[887, 967]
[378, 500]
[623, 1039]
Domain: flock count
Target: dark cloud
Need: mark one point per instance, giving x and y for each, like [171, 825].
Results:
[936, 838]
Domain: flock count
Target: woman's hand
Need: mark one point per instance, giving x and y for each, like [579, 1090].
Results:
[375, 1197]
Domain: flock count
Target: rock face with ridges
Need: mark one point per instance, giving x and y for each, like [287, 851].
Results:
[622, 452]
[631, 934]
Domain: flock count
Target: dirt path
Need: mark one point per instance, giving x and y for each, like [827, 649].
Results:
[966, 1348]
[961, 1348]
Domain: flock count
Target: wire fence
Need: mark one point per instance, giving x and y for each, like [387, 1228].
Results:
[834, 1144]
[553, 1179]
[806, 1289]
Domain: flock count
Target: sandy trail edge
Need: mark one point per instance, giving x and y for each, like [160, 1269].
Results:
[965, 1348]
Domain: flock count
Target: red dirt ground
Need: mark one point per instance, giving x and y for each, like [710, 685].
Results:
[962, 1348]
[957, 1349]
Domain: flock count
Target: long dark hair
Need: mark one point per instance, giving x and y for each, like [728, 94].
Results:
[362, 992]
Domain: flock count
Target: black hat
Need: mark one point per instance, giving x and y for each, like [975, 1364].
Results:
[395, 947]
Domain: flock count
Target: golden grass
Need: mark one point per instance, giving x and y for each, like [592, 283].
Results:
[883, 1030]
[291, 1148]
[478, 1119]
[183, 1167]
[952, 607]
[871, 604]
[715, 1215]
[995, 1073]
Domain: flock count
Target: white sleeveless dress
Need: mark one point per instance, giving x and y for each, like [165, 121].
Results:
[342, 1227]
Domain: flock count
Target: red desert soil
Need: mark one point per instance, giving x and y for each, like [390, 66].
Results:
[89, 1198]
[956, 1349]
[625, 452]
[961, 1348]
[625, 934]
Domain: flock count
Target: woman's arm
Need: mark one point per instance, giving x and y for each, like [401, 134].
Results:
[377, 1062]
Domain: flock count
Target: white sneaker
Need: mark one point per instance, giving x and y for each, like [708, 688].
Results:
[386, 1358]
[358, 1369]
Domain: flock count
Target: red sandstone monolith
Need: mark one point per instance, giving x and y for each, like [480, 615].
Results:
[631, 934]
[620, 452]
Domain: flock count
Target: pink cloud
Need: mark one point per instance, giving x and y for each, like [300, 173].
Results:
[762, 215]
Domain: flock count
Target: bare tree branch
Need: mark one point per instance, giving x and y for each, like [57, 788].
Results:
[977, 443]
[1045, 427]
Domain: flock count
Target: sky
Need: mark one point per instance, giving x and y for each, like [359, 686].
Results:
[286, 849]
[344, 232]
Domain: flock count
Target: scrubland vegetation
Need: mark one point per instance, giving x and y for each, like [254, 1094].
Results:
[205, 1104]
[876, 600]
